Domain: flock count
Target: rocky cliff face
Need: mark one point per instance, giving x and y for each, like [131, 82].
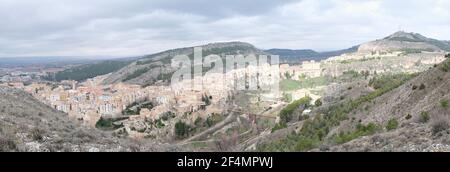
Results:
[28, 125]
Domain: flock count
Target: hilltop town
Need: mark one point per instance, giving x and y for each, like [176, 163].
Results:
[225, 112]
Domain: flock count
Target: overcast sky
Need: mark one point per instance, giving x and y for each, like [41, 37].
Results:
[136, 27]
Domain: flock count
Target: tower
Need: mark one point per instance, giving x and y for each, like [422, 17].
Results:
[74, 85]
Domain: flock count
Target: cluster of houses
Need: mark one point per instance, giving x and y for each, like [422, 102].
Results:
[310, 69]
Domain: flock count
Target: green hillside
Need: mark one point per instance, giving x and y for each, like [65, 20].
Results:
[84, 72]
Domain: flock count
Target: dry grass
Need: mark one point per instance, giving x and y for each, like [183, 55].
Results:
[440, 122]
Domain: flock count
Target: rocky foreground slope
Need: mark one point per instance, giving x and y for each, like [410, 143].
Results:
[412, 117]
[401, 112]
[28, 125]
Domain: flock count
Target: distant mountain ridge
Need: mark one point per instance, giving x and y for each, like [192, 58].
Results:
[295, 56]
[56, 60]
[403, 41]
[86, 71]
[27, 61]
[154, 67]
[398, 41]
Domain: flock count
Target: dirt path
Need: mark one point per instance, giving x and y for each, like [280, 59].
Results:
[229, 119]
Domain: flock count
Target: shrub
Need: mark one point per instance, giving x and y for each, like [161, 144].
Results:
[7, 145]
[181, 129]
[392, 124]
[37, 134]
[108, 124]
[165, 118]
[422, 86]
[424, 117]
[445, 66]
[287, 97]
[318, 103]
[439, 125]
[388, 80]
[444, 103]
[159, 124]
[7, 142]
[303, 117]
[198, 122]
[84, 136]
[408, 117]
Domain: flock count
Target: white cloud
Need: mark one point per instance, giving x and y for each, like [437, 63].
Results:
[119, 27]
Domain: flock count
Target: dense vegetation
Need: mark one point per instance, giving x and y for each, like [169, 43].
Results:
[295, 56]
[135, 108]
[444, 103]
[424, 117]
[287, 113]
[108, 124]
[386, 81]
[318, 102]
[445, 65]
[313, 131]
[361, 130]
[84, 72]
[392, 124]
[164, 76]
[182, 129]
